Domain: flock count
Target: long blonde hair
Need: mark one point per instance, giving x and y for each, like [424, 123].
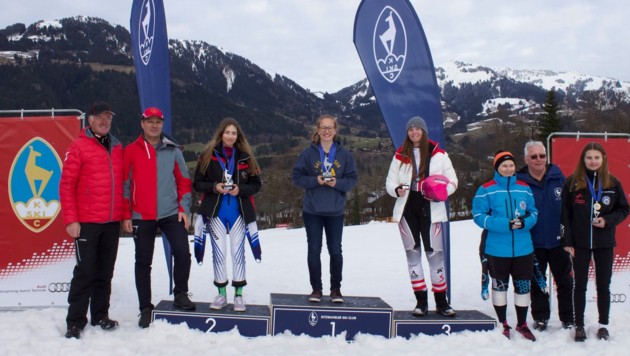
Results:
[241, 145]
[315, 137]
[578, 179]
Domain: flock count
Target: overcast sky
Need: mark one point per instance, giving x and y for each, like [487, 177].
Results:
[310, 41]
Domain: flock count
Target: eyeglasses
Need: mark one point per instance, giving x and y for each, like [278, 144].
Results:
[540, 155]
[327, 128]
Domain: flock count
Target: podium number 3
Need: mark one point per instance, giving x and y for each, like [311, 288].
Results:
[211, 321]
[447, 329]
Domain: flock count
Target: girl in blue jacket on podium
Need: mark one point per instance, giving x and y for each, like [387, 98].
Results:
[505, 207]
[326, 171]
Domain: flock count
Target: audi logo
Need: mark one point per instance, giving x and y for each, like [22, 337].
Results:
[617, 298]
[59, 287]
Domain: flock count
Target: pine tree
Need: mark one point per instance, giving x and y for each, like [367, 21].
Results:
[549, 121]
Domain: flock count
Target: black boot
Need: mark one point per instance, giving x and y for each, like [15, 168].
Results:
[422, 305]
[441, 305]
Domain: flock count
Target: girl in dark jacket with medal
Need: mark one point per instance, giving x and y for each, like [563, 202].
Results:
[593, 203]
[228, 176]
[326, 171]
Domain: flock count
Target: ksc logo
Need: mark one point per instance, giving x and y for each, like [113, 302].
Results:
[313, 318]
[389, 44]
[33, 184]
[146, 30]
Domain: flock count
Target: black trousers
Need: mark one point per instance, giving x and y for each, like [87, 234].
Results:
[559, 262]
[603, 260]
[144, 239]
[417, 213]
[91, 285]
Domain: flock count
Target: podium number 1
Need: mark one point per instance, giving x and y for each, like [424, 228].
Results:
[333, 327]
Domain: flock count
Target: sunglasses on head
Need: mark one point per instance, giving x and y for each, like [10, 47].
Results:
[541, 156]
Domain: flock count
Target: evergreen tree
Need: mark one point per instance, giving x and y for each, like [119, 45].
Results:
[549, 121]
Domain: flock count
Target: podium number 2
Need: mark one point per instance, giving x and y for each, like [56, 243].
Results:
[211, 321]
[447, 329]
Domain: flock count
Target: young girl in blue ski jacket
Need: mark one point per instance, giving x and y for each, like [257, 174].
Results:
[505, 207]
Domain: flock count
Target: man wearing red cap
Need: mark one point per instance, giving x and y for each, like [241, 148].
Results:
[157, 191]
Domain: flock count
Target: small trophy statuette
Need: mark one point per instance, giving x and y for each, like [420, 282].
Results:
[517, 222]
[596, 210]
[229, 184]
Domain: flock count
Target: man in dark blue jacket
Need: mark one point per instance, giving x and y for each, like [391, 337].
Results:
[546, 180]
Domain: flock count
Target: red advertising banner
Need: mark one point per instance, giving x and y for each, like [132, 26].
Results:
[36, 254]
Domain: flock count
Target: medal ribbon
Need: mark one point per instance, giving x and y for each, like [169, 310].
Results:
[230, 165]
[591, 187]
[331, 157]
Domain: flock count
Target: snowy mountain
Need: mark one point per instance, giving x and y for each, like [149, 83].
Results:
[210, 83]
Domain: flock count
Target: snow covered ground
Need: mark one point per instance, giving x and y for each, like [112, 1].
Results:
[374, 265]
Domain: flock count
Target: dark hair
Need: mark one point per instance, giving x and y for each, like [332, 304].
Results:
[241, 145]
[407, 151]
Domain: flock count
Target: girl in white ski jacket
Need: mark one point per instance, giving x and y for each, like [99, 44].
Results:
[419, 218]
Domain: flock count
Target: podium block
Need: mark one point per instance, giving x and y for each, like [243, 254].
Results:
[294, 313]
[251, 323]
[406, 325]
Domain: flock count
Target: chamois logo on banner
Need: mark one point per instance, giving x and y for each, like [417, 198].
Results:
[146, 30]
[389, 44]
[33, 184]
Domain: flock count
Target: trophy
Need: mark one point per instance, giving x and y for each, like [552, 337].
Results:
[229, 184]
[596, 210]
[327, 175]
[517, 222]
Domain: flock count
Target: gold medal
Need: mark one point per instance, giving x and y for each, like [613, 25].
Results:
[597, 206]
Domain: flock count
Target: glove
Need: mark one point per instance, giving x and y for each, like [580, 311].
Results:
[517, 224]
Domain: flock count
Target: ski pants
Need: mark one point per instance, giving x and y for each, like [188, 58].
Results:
[144, 232]
[559, 262]
[603, 261]
[413, 252]
[228, 222]
[91, 286]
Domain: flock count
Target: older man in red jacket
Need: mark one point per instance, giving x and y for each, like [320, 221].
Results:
[91, 194]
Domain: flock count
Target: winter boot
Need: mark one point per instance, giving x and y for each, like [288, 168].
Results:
[422, 305]
[145, 317]
[441, 305]
[506, 329]
[603, 334]
[524, 330]
[183, 302]
[540, 325]
[580, 334]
